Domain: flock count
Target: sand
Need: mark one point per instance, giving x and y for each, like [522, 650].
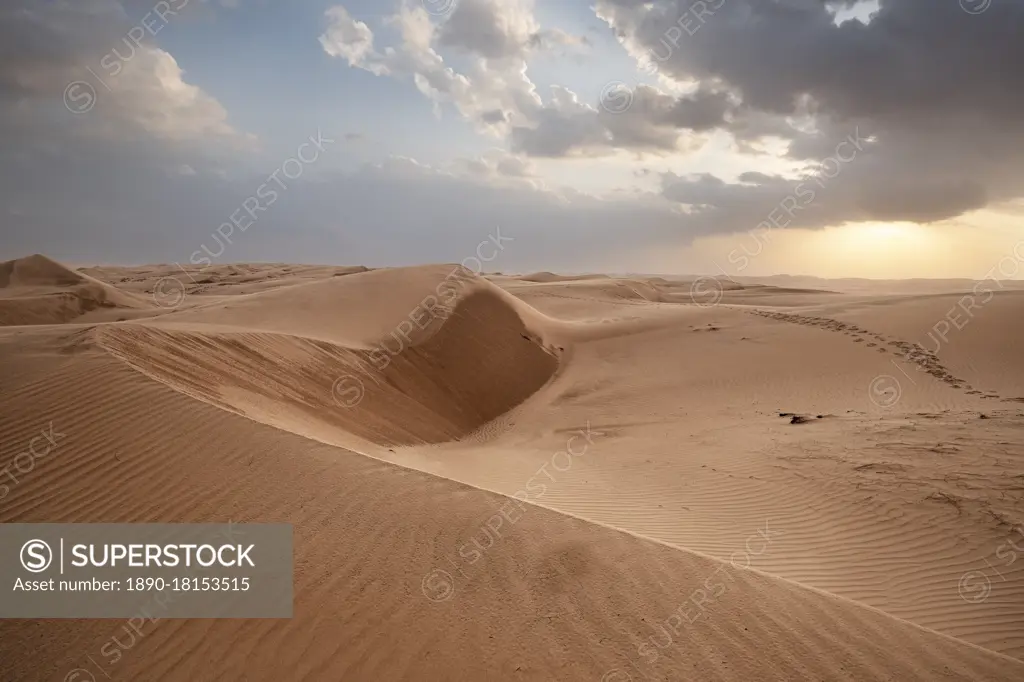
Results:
[37, 290]
[536, 478]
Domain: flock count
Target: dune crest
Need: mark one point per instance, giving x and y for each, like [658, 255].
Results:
[461, 364]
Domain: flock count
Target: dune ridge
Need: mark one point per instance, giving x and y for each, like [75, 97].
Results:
[464, 365]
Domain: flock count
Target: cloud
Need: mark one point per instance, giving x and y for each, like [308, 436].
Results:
[933, 88]
[348, 38]
[936, 87]
[101, 136]
[501, 30]
[396, 212]
[493, 29]
[514, 166]
[913, 115]
[486, 87]
[553, 39]
[643, 119]
[913, 58]
[496, 165]
[496, 93]
[107, 70]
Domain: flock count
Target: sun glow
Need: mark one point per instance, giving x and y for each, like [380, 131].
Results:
[875, 250]
[871, 236]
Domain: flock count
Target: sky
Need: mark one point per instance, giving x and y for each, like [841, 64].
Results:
[833, 138]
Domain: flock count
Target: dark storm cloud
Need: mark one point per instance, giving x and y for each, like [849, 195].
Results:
[938, 89]
[642, 119]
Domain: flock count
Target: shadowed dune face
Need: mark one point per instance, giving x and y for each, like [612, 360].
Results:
[474, 365]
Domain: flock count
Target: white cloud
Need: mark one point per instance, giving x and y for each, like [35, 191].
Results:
[487, 86]
[348, 38]
[151, 94]
[113, 79]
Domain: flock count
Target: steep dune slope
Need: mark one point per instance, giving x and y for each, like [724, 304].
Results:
[437, 375]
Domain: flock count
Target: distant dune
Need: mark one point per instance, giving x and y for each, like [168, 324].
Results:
[36, 270]
[37, 290]
[552, 277]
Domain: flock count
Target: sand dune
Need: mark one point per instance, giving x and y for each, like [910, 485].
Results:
[547, 277]
[432, 378]
[36, 270]
[662, 513]
[890, 499]
[37, 290]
